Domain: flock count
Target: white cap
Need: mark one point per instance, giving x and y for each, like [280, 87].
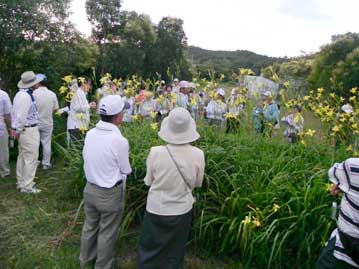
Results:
[183, 84]
[112, 105]
[175, 80]
[191, 85]
[221, 92]
[347, 108]
[267, 93]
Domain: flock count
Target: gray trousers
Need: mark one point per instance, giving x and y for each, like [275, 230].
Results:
[103, 212]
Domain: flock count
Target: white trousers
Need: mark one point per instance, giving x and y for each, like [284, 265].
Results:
[45, 139]
[29, 142]
[4, 154]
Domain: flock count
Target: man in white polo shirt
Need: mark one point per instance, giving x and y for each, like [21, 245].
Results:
[5, 124]
[106, 165]
[46, 102]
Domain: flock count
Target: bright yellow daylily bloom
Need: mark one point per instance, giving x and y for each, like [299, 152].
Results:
[310, 132]
[154, 126]
[247, 220]
[275, 207]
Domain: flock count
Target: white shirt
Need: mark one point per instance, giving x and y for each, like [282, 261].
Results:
[5, 109]
[24, 111]
[46, 102]
[79, 114]
[128, 113]
[106, 155]
[216, 110]
[168, 194]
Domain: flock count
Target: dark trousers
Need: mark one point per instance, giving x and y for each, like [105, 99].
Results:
[327, 259]
[163, 241]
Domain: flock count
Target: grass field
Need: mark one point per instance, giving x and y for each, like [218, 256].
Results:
[264, 204]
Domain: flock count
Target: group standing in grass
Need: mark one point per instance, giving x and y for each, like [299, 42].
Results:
[173, 169]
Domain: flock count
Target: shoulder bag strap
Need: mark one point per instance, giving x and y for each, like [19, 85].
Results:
[179, 170]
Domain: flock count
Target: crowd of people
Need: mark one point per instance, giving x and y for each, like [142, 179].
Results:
[173, 170]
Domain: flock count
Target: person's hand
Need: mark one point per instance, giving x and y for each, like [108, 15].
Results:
[335, 190]
[93, 105]
[14, 134]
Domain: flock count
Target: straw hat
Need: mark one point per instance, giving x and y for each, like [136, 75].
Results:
[28, 80]
[179, 127]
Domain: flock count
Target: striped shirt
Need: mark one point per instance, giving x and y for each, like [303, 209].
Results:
[346, 176]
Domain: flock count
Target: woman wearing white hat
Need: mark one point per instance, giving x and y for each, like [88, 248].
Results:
[173, 171]
[216, 109]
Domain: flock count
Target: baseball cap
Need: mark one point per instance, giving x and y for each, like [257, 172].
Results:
[112, 105]
[175, 80]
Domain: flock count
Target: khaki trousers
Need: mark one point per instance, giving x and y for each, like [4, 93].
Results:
[29, 142]
[45, 139]
[103, 213]
[4, 154]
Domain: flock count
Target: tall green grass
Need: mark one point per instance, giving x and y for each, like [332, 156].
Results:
[246, 176]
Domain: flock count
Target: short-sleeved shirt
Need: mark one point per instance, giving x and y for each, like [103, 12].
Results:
[46, 102]
[5, 109]
[169, 194]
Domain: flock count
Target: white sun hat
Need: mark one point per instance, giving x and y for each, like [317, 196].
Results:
[183, 84]
[28, 80]
[179, 127]
[347, 108]
[175, 80]
[112, 105]
[221, 92]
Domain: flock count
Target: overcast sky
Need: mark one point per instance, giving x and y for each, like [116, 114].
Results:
[270, 27]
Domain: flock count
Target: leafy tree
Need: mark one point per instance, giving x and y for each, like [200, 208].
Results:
[106, 19]
[346, 73]
[169, 50]
[328, 58]
[26, 22]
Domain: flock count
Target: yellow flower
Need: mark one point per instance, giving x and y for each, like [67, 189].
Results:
[329, 186]
[154, 126]
[303, 142]
[306, 98]
[297, 118]
[63, 90]
[58, 112]
[342, 99]
[222, 77]
[332, 95]
[81, 80]
[320, 90]
[153, 114]
[83, 130]
[275, 207]
[349, 148]
[136, 117]
[352, 99]
[286, 84]
[80, 116]
[310, 132]
[105, 78]
[336, 128]
[354, 90]
[256, 222]
[67, 79]
[355, 126]
[247, 220]
[356, 153]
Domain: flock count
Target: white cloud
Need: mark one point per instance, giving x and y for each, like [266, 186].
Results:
[272, 27]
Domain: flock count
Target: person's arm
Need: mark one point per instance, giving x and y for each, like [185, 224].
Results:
[200, 172]
[149, 169]
[7, 111]
[55, 103]
[121, 151]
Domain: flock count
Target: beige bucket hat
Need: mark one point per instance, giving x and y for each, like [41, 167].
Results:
[179, 127]
[28, 79]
